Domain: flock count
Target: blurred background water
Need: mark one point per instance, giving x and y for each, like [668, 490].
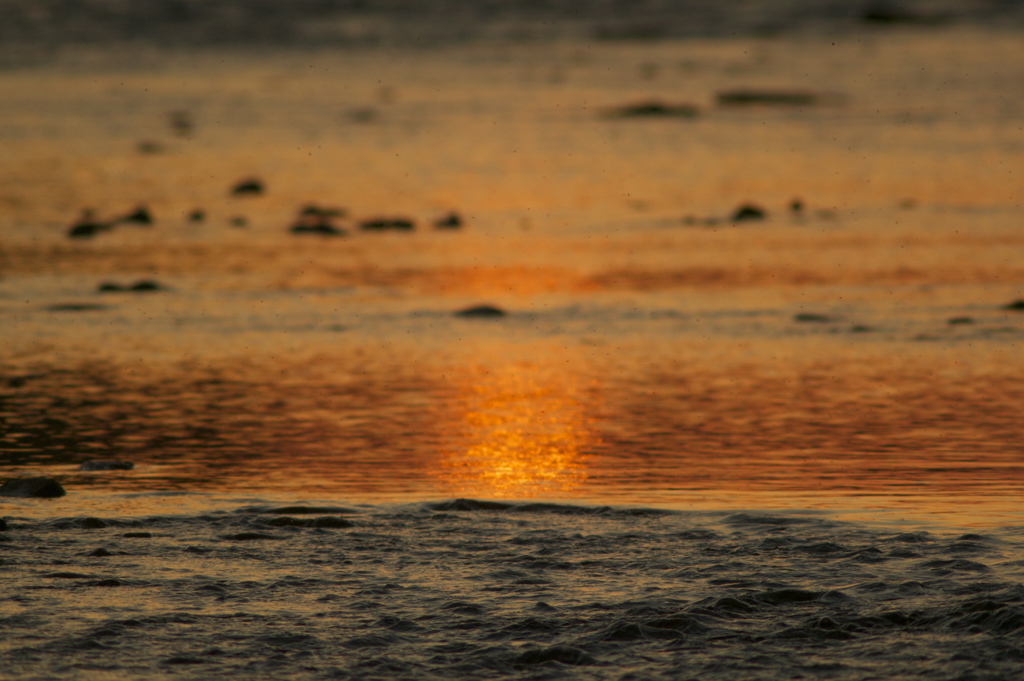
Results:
[855, 349]
[404, 23]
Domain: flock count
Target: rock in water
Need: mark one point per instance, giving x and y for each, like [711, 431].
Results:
[107, 465]
[315, 220]
[110, 287]
[248, 187]
[748, 211]
[321, 228]
[32, 487]
[450, 221]
[481, 311]
[654, 109]
[388, 223]
[87, 226]
[139, 216]
[811, 317]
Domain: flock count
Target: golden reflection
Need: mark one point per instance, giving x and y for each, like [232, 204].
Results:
[520, 430]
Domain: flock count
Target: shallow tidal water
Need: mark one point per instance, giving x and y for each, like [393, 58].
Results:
[692, 448]
[476, 589]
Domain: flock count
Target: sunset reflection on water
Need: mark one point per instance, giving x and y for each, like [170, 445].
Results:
[520, 431]
[860, 351]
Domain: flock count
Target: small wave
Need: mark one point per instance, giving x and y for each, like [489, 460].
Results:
[471, 589]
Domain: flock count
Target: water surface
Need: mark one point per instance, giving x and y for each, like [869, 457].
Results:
[854, 355]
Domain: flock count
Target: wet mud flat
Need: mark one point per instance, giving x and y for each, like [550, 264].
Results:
[474, 589]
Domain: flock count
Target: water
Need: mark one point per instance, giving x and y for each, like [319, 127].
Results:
[817, 413]
[476, 590]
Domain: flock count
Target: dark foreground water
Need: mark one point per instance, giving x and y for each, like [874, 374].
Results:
[470, 589]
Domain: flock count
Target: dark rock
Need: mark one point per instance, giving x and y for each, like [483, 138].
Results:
[239, 221]
[85, 228]
[451, 221]
[385, 224]
[249, 187]
[110, 287]
[316, 224]
[745, 97]
[811, 317]
[796, 206]
[654, 109]
[141, 286]
[32, 487]
[3, 525]
[139, 216]
[321, 212]
[137, 535]
[107, 465]
[481, 311]
[1016, 306]
[101, 553]
[748, 212]
[75, 307]
[88, 226]
[197, 215]
[861, 328]
[19, 381]
[959, 321]
[107, 582]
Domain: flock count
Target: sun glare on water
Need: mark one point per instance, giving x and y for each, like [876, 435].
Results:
[521, 432]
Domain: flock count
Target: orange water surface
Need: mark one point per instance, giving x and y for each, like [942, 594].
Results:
[856, 355]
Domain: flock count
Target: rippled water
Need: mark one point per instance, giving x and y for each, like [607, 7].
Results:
[818, 413]
[855, 354]
[482, 590]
